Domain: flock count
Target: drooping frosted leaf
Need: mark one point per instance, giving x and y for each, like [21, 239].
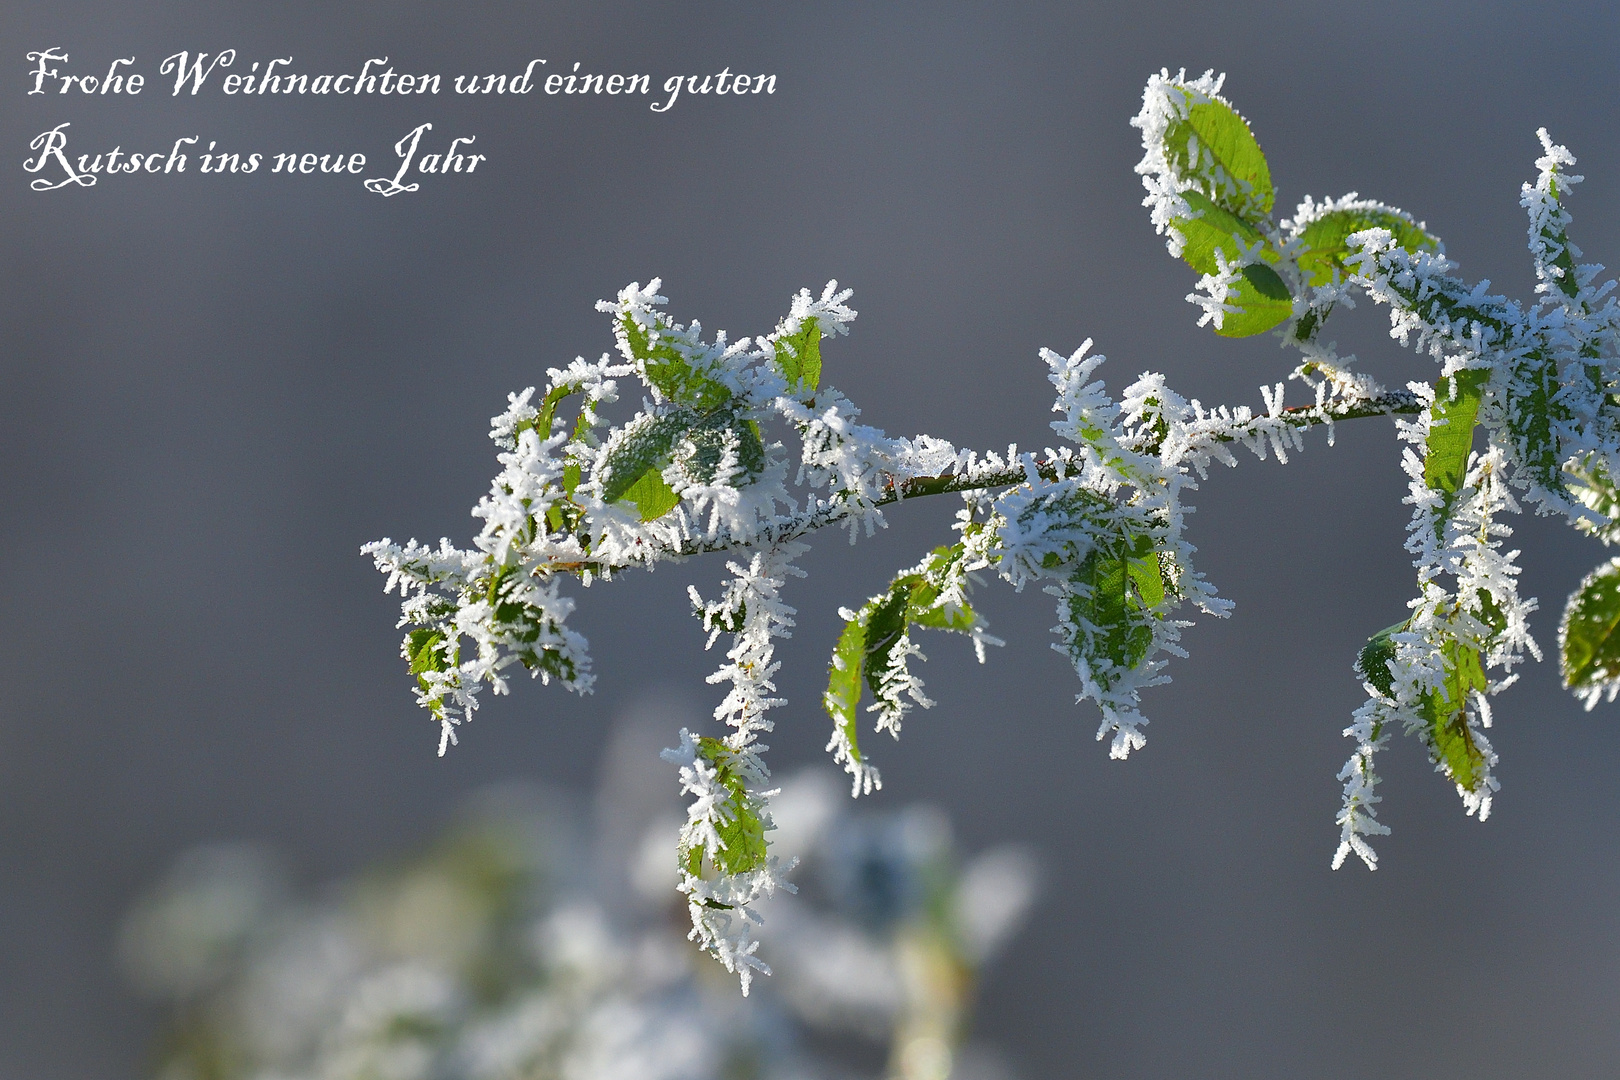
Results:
[742, 833]
[1531, 402]
[874, 647]
[885, 625]
[1325, 248]
[1451, 431]
[1263, 299]
[1212, 229]
[528, 631]
[1112, 599]
[925, 607]
[1447, 717]
[1214, 148]
[1589, 647]
[1372, 664]
[798, 357]
[843, 696]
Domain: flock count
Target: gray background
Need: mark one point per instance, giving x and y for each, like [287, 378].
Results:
[216, 388]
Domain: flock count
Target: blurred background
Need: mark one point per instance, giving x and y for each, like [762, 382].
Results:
[540, 937]
[216, 388]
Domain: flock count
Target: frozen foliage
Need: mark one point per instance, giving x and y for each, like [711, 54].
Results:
[742, 447]
[496, 955]
[1540, 382]
[727, 820]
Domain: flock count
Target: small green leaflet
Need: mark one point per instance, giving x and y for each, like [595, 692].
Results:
[1325, 248]
[1213, 148]
[697, 444]
[520, 624]
[1567, 283]
[1589, 647]
[1263, 299]
[1445, 714]
[1260, 292]
[423, 649]
[669, 370]
[1373, 662]
[798, 357]
[427, 649]
[1529, 395]
[742, 835]
[925, 606]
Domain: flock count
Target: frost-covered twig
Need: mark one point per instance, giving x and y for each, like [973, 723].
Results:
[742, 447]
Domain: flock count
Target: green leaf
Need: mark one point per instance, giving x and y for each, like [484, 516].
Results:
[1451, 430]
[1213, 148]
[885, 625]
[798, 357]
[1447, 716]
[1530, 419]
[548, 407]
[1121, 582]
[422, 650]
[519, 626]
[742, 837]
[652, 495]
[572, 474]
[1372, 664]
[1263, 299]
[645, 444]
[865, 652]
[1596, 491]
[1147, 579]
[1568, 284]
[706, 442]
[1324, 239]
[843, 694]
[669, 370]
[1589, 647]
[923, 608]
[1212, 229]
